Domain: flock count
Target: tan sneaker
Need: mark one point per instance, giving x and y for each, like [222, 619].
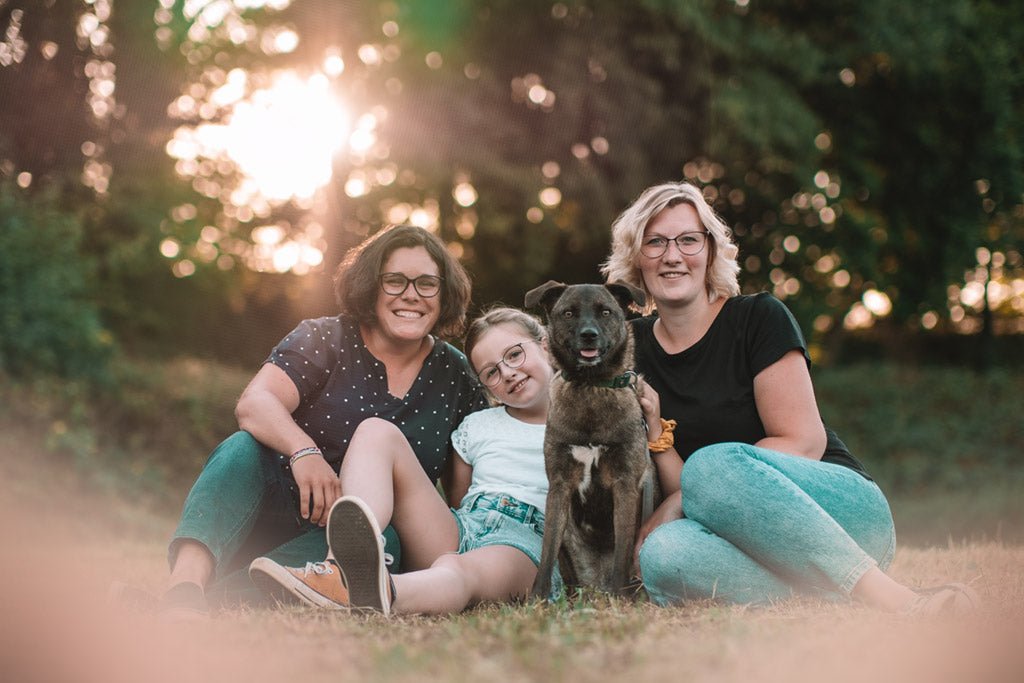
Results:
[358, 547]
[318, 584]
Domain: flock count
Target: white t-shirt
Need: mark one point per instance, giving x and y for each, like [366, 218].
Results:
[507, 455]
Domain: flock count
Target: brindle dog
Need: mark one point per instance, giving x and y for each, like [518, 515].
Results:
[595, 445]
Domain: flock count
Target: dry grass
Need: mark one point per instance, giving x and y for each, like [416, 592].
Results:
[63, 543]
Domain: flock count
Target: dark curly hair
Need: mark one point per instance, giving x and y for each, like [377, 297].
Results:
[356, 281]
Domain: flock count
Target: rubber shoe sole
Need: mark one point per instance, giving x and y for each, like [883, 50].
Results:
[355, 541]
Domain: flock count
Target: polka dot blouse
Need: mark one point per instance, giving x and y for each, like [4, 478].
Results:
[341, 384]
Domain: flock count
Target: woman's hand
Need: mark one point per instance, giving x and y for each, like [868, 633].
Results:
[650, 404]
[318, 484]
[670, 510]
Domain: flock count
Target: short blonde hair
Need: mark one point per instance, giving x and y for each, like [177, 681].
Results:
[628, 232]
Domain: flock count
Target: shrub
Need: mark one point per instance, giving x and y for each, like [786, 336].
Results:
[48, 324]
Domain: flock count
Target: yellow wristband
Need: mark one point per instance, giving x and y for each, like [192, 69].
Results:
[667, 438]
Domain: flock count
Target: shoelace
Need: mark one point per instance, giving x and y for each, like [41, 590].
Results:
[389, 559]
[319, 568]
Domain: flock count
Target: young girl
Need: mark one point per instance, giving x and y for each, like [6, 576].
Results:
[487, 549]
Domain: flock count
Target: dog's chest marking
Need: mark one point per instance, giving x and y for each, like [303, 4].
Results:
[588, 456]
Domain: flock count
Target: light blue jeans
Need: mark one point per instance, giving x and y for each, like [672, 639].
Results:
[762, 526]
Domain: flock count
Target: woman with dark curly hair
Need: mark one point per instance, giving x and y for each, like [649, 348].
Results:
[334, 385]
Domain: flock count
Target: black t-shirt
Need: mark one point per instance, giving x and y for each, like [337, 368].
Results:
[341, 384]
[708, 389]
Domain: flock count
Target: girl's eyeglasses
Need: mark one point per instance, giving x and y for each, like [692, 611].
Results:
[513, 357]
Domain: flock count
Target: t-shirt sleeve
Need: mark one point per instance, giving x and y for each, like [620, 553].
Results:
[307, 355]
[461, 440]
[772, 332]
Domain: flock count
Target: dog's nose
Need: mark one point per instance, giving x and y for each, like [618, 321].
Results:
[588, 334]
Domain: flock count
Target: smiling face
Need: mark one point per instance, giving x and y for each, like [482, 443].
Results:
[523, 389]
[673, 277]
[408, 316]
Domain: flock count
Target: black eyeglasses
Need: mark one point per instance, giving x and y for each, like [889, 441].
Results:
[688, 244]
[513, 357]
[395, 284]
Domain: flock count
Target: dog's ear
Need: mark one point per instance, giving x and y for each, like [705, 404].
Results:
[627, 294]
[546, 295]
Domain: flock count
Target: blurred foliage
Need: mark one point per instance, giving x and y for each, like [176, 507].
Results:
[146, 433]
[925, 427]
[855, 147]
[48, 321]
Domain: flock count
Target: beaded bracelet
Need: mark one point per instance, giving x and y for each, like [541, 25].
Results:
[302, 453]
[666, 440]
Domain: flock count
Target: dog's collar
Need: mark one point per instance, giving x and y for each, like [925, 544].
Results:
[628, 379]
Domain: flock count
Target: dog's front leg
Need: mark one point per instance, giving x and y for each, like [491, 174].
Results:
[625, 521]
[556, 514]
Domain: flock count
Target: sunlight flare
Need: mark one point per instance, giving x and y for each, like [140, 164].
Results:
[282, 138]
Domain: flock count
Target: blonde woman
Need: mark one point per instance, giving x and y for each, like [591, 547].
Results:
[770, 503]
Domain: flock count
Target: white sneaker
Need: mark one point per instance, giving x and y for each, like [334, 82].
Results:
[951, 599]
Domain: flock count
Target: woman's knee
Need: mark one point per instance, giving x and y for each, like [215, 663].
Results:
[665, 559]
[379, 431]
[454, 565]
[238, 453]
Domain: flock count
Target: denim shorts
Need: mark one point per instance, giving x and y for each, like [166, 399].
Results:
[486, 519]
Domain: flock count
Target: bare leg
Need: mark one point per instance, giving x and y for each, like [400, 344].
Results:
[878, 589]
[454, 582]
[381, 469]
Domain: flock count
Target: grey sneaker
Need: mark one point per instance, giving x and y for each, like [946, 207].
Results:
[184, 601]
[358, 547]
[951, 599]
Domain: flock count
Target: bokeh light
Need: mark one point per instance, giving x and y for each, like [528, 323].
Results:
[282, 138]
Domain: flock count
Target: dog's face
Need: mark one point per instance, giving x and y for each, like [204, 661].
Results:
[587, 334]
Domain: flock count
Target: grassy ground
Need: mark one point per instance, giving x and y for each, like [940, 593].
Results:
[64, 540]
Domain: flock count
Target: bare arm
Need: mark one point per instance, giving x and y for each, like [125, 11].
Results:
[789, 412]
[669, 466]
[456, 479]
[668, 463]
[265, 411]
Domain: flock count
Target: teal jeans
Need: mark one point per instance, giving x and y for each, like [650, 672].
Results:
[245, 504]
[761, 526]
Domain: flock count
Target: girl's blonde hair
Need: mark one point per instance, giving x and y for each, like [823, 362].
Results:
[628, 232]
[500, 315]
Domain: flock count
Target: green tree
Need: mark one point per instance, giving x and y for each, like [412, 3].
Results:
[47, 322]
